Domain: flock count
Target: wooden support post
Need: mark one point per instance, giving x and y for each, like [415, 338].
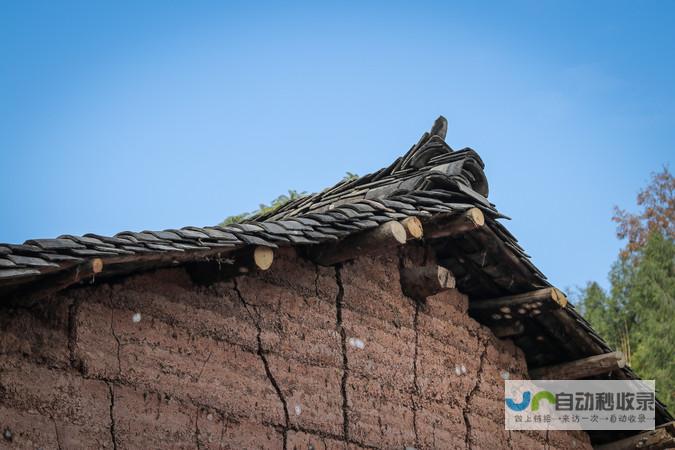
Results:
[421, 282]
[660, 438]
[530, 304]
[413, 228]
[469, 220]
[581, 368]
[508, 330]
[389, 234]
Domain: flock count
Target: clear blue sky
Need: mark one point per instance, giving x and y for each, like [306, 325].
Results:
[152, 115]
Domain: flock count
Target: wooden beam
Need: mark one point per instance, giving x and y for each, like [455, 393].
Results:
[581, 368]
[469, 220]
[508, 330]
[389, 234]
[563, 336]
[421, 282]
[413, 228]
[529, 304]
[660, 438]
[58, 281]
[562, 325]
[237, 263]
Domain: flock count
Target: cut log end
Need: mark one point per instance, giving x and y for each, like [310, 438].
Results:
[424, 281]
[621, 360]
[263, 257]
[96, 265]
[558, 297]
[394, 230]
[475, 216]
[413, 227]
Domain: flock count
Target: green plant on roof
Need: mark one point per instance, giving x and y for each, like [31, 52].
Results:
[276, 203]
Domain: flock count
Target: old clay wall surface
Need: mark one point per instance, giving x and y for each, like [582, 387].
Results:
[300, 356]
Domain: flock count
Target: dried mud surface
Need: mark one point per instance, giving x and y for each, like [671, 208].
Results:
[298, 357]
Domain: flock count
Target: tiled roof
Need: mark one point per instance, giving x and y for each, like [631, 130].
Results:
[429, 180]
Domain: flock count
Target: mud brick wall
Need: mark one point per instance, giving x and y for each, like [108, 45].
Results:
[300, 356]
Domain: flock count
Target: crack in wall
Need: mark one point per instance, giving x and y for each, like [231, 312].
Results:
[117, 339]
[113, 436]
[469, 396]
[73, 309]
[201, 371]
[316, 281]
[339, 299]
[323, 435]
[414, 397]
[56, 431]
[266, 365]
[222, 431]
[197, 442]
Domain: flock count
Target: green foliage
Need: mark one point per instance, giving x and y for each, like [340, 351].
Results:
[637, 315]
[594, 306]
[651, 309]
[263, 208]
[234, 219]
[276, 203]
[349, 176]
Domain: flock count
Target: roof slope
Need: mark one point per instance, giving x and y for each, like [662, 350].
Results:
[431, 182]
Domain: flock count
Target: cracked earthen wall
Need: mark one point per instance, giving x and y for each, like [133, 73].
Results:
[299, 356]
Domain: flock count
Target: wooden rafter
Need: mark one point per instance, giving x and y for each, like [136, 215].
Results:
[581, 368]
[469, 220]
[529, 304]
[387, 235]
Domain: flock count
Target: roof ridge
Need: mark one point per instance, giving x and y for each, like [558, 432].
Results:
[430, 163]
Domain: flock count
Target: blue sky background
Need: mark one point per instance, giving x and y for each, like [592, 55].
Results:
[152, 115]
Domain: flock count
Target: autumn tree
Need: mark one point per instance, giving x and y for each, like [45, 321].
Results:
[657, 214]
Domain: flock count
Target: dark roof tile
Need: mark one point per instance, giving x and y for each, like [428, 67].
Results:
[30, 261]
[55, 244]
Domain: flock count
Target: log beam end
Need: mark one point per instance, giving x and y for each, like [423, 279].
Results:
[413, 228]
[263, 257]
